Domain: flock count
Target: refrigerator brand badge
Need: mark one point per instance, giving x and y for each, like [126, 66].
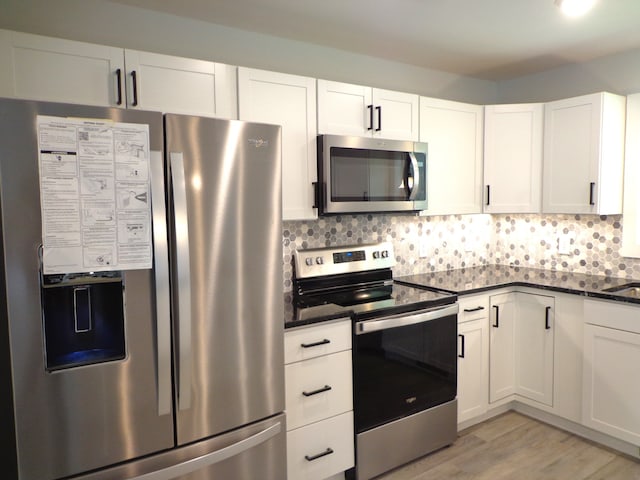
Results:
[259, 142]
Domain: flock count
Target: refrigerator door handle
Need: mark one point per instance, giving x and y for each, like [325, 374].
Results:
[181, 232]
[161, 269]
[184, 468]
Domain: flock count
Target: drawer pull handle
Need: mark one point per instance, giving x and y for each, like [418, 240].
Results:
[326, 388]
[497, 324]
[311, 458]
[477, 309]
[315, 344]
[461, 355]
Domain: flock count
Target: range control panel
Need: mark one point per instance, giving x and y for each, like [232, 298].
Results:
[316, 262]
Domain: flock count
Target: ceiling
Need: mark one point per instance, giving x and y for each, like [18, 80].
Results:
[490, 39]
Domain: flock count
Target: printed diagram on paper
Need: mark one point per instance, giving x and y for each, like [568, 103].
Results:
[95, 195]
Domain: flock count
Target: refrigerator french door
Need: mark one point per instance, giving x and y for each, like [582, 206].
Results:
[161, 373]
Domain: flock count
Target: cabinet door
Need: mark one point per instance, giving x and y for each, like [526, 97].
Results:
[631, 208]
[57, 70]
[473, 369]
[180, 85]
[534, 347]
[344, 109]
[611, 388]
[501, 346]
[288, 101]
[583, 154]
[513, 158]
[453, 132]
[396, 115]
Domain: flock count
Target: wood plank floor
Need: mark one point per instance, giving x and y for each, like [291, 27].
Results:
[513, 446]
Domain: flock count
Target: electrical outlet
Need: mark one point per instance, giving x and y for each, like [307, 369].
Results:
[423, 248]
[564, 243]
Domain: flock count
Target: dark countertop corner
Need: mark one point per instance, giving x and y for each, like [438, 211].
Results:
[467, 281]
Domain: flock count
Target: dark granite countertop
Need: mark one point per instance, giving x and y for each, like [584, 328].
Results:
[468, 281]
[294, 317]
[479, 279]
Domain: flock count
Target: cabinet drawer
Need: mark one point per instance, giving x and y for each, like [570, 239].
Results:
[473, 308]
[318, 388]
[332, 437]
[309, 342]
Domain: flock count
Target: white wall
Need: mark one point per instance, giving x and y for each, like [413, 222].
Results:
[618, 73]
[100, 21]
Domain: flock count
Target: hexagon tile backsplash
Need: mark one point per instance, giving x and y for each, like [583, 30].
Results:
[576, 243]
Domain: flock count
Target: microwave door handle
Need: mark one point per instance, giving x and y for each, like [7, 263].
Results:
[416, 177]
[181, 232]
[161, 274]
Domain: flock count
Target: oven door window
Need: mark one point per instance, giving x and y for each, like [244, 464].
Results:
[359, 175]
[403, 370]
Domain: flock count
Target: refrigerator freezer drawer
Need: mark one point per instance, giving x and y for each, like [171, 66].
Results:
[254, 451]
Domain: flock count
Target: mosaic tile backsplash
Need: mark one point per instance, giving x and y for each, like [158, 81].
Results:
[587, 244]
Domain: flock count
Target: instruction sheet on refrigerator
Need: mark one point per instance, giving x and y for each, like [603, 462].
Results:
[94, 195]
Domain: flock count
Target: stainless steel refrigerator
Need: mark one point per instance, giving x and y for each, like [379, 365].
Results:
[174, 371]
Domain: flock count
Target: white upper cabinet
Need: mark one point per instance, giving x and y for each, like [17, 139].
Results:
[631, 209]
[51, 69]
[513, 158]
[584, 154]
[346, 109]
[180, 85]
[57, 70]
[288, 101]
[453, 132]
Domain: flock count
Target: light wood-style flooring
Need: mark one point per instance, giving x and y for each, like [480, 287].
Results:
[515, 447]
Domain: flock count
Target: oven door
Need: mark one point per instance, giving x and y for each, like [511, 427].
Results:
[404, 364]
[372, 175]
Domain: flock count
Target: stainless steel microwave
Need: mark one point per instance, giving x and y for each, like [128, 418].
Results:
[357, 175]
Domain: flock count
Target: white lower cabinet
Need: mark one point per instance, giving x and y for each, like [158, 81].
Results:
[473, 357]
[521, 350]
[501, 349]
[611, 390]
[321, 449]
[319, 400]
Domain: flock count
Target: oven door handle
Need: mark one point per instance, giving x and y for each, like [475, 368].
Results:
[405, 320]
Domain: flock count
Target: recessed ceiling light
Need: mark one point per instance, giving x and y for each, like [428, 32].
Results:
[575, 8]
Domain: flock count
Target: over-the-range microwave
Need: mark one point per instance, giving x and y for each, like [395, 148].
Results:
[358, 175]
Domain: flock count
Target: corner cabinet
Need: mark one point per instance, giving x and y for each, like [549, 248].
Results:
[473, 357]
[521, 347]
[584, 155]
[288, 101]
[513, 158]
[319, 400]
[346, 109]
[453, 133]
[58, 70]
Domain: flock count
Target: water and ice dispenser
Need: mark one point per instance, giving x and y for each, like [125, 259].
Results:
[83, 318]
